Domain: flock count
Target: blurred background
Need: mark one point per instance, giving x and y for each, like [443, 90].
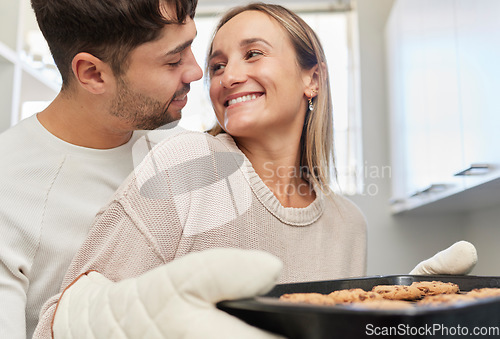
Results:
[414, 86]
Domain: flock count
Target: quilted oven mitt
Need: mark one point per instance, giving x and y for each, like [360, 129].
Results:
[176, 300]
[459, 258]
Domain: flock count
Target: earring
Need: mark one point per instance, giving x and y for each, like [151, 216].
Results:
[311, 106]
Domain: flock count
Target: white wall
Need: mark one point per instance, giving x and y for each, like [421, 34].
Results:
[395, 243]
[483, 230]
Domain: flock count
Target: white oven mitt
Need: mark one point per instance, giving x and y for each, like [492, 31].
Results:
[176, 300]
[459, 258]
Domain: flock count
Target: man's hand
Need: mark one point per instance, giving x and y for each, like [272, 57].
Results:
[459, 258]
[176, 300]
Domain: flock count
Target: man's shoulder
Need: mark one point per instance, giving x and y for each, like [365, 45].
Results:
[16, 132]
[18, 140]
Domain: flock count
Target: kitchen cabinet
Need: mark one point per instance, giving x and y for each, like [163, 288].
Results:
[478, 50]
[443, 72]
[27, 74]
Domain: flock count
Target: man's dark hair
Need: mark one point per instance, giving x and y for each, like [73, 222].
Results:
[107, 29]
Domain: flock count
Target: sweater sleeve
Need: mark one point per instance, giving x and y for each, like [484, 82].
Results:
[356, 232]
[116, 246]
[142, 226]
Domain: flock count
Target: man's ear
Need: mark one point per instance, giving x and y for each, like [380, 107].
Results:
[91, 73]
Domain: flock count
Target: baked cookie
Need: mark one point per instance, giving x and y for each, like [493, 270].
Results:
[398, 292]
[353, 295]
[444, 299]
[487, 292]
[436, 287]
[309, 298]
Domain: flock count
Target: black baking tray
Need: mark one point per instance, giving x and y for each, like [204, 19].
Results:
[302, 321]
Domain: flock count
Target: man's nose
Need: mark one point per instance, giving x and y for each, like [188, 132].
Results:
[194, 71]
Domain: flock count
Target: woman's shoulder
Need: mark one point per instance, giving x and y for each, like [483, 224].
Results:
[346, 208]
[179, 154]
[177, 143]
[194, 139]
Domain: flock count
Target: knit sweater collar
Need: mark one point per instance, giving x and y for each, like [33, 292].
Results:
[288, 215]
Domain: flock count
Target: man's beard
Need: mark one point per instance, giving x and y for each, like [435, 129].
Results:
[143, 112]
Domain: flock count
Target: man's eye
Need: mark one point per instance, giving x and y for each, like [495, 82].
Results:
[174, 64]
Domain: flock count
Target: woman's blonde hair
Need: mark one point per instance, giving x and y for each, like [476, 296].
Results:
[317, 154]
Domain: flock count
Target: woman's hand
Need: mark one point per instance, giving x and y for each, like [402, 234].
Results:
[176, 300]
[459, 258]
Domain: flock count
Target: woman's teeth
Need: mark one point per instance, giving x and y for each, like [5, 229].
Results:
[242, 99]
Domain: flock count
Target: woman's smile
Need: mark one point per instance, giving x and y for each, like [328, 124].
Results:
[241, 98]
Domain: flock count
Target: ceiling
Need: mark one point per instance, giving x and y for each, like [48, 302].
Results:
[210, 7]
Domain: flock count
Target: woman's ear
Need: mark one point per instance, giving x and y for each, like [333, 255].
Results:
[91, 73]
[311, 82]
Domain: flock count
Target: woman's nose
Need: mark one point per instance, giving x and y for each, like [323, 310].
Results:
[234, 74]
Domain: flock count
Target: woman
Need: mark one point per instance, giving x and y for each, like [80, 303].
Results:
[260, 183]
[270, 91]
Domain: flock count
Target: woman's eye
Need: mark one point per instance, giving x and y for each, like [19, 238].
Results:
[216, 67]
[252, 54]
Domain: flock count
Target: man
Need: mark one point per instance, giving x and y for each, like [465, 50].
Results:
[126, 66]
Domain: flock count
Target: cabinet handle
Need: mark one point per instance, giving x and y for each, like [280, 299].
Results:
[474, 169]
[430, 189]
[395, 201]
